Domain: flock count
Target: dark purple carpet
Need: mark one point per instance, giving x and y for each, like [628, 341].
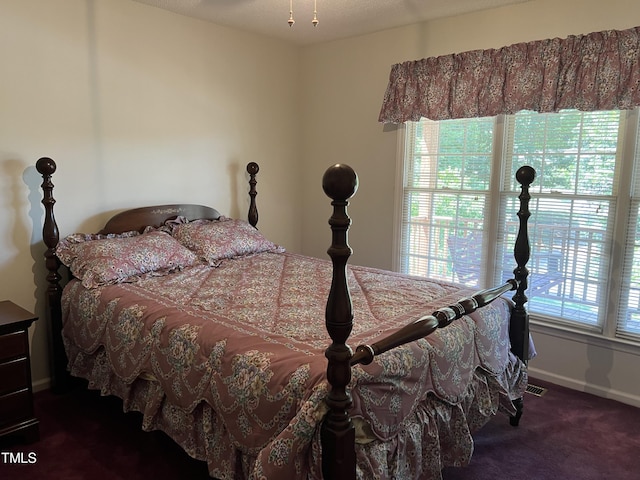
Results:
[564, 435]
[84, 436]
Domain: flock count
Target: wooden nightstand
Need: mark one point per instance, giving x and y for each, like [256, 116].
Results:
[16, 394]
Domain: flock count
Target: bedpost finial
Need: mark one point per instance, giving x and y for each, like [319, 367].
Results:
[526, 175]
[340, 182]
[46, 166]
[252, 168]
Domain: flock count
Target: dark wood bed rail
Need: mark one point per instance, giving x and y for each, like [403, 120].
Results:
[429, 323]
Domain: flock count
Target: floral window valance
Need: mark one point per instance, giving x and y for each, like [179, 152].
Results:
[598, 71]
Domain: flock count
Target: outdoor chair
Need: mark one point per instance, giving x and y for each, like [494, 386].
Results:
[545, 267]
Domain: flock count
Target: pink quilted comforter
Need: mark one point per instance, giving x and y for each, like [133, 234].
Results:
[230, 362]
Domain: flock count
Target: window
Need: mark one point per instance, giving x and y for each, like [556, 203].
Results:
[460, 200]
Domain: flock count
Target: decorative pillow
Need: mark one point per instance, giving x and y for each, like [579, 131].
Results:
[107, 259]
[216, 240]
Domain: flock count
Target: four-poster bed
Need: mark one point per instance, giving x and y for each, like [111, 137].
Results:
[195, 341]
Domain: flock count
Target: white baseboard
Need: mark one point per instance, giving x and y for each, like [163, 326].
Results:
[582, 386]
[43, 384]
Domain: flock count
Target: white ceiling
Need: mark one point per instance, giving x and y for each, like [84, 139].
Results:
[337, 18]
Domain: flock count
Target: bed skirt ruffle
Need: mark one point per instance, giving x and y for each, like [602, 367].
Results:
[437, 435]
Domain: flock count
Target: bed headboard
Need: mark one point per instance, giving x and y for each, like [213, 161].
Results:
[139, 218]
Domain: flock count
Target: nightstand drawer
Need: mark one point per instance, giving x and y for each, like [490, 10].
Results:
[14, 375]
[13, 345]
[15, 406]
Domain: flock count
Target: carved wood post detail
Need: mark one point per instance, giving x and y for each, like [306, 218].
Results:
[519, 331]
[519, 323]
[340, 183]
[50, 235]
[252, 169]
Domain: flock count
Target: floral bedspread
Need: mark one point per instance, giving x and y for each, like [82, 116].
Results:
[240, 349]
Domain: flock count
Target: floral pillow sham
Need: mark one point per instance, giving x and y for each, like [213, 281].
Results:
[107, 259]
[214, 241]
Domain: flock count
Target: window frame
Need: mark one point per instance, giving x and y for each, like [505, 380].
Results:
[607, 334]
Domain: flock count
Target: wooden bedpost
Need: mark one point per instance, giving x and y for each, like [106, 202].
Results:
[252, 169]
[340, 183]
[519, 323]
[50, 235]
[519, 331]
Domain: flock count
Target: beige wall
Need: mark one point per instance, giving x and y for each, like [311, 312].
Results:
[343, 85]
[137, 106]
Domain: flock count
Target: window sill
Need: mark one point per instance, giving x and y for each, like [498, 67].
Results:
[585, 337]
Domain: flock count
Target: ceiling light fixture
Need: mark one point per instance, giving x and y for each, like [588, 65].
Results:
[314, 22]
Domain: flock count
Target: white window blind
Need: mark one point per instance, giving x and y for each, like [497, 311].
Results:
[628, 320]
[446, 188]
[574, 201]
[457, 213]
